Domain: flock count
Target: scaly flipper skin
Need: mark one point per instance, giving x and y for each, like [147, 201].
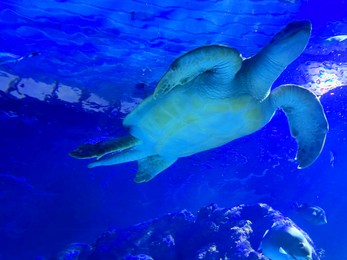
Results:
[101, 148]
[216, 59]
[259, 72]
[307, 121]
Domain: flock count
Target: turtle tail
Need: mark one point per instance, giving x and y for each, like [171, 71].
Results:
[307, 121]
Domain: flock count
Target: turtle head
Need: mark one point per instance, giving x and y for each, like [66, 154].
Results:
[289, 43]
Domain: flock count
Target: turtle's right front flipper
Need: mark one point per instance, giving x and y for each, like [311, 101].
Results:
[306, 118]
[220, 60]
[101, 148]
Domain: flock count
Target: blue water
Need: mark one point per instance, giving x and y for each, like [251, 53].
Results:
[98, 59]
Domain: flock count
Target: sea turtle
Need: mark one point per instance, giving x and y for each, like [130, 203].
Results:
[211, 96]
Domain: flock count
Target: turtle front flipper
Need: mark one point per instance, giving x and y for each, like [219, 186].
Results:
[103, 147]
[306, 118]
[259, 72]
[151, 166]
[218, 60]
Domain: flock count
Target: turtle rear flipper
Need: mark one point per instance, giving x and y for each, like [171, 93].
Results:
[151, 166]
[101, 148]
[307, 121]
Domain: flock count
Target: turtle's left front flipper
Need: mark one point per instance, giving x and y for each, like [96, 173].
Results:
[221, 61]
[306, 118]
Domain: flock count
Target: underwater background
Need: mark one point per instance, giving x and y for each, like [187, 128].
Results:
[70, 71]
